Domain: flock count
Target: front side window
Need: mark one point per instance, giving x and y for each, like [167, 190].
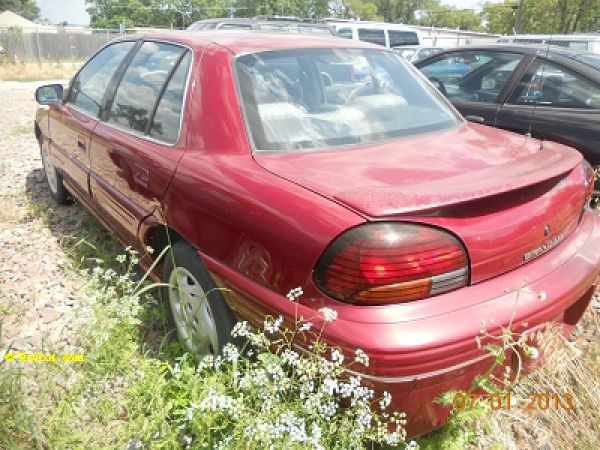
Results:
[90, 84]
[374, 36]
[398, 38]
[307, 99]
[141, 85]
[472, 76]
[557, 87]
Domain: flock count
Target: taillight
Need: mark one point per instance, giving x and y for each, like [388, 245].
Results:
[589, 180]
[391, 262]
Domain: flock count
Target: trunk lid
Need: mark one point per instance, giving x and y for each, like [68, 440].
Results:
[504, 195]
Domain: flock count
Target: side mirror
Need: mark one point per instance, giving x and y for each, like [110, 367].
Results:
[49, 94]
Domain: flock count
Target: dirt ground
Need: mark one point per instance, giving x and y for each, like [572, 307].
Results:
[37, 294]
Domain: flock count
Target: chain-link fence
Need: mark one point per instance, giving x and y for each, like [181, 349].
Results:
[18, 45]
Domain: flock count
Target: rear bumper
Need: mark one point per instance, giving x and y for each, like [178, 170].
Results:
[422, 349]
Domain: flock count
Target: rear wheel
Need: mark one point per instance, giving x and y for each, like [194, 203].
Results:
[198, 311]
[54, 179]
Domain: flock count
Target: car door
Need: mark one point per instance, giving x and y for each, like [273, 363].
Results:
[475, 81]
[138, 144]
[556, 103]
[73, 120]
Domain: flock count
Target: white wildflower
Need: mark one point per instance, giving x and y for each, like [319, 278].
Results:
[289, 357]
[272, 326]
[329, 315]
[337, 356]
[385, 400]
[361, 357]
[231, 353]
[149, 249]
[121, 258]
[330, 385]
[241, 329]
[306, 326]
[294, 294]
[533, 352]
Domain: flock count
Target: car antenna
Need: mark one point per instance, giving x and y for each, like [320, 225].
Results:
[541, 84]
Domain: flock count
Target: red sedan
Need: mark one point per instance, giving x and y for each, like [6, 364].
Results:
[278, 161]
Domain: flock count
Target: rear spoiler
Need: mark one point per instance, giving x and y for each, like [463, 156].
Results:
[552, 161]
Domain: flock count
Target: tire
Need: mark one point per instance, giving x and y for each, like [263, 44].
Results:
[197, 310]
[57, 189]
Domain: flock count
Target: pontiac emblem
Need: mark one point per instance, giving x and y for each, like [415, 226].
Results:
[547, 230]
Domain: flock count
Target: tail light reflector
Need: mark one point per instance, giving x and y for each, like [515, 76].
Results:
[383, 263]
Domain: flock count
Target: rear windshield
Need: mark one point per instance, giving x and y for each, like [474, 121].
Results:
[317, 98]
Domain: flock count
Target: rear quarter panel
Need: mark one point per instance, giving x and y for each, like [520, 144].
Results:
[230, 208]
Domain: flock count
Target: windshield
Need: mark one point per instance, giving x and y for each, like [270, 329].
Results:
[316, 98]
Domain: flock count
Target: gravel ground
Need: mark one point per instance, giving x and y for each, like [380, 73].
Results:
[37, 293]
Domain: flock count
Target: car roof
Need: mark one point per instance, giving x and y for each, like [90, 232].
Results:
[528, 49]
[245, 41]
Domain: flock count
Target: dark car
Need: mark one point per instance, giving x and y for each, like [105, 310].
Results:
[267, 23]
[550, 92]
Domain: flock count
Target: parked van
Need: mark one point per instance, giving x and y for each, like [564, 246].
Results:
[585, 42]
[386, 34]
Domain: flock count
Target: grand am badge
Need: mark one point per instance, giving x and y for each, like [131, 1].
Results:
[543, 248]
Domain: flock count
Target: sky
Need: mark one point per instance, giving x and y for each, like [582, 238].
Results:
[73, 11]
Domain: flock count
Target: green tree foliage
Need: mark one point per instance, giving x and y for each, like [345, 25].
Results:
[437, 15]
[543, 16]
[180, 13]
[25, 8]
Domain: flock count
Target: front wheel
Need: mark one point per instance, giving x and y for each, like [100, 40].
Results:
[197, 309]
[58, 191]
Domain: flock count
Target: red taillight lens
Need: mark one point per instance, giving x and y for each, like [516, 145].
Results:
[589, 180]
[382, 263]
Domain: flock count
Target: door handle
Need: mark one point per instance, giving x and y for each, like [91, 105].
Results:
[81, 144]
[475, 119]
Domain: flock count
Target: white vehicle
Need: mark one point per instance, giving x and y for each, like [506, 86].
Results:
[586, 42]
[382, 33]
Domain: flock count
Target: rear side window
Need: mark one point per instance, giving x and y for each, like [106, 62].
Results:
[345, 33]
[373, 36]
[554, 86]
[167, 120]
[142, 84]
[398, 38]
[90, 84]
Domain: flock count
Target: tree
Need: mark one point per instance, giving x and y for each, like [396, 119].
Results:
[25, 8]
[543, 16]
[437, 15]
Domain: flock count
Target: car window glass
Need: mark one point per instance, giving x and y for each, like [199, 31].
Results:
[141, 84]
[398, 37]
[373, 36]
[166, 122]
[235, 26]
[345, 33]
[555, 86]
[472, 76]
[90, 85]
[303, 99]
